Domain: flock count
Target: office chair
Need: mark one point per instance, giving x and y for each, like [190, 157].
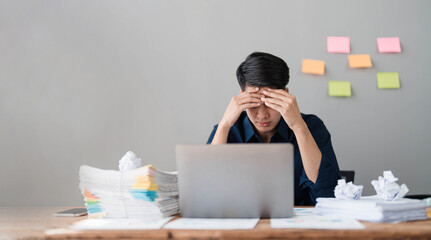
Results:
[349, 176]
[418, 196]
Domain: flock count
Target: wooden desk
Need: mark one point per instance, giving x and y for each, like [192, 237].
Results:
[38, 223]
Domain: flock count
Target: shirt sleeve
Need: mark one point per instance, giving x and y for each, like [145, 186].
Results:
[210, 139]
[329, 172]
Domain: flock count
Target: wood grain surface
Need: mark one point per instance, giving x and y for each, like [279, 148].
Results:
[39, 223]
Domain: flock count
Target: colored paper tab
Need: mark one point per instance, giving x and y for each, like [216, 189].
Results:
[389, 45]
[88, 194]
[360, 61]
[147, 186]
[313, 66]
[340, 89]
[388, 80]
[338, 44]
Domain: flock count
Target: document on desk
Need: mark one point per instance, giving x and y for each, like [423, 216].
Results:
[213, 223]
[316, 222]
[307, 218]
[119, 223]
[304, 211]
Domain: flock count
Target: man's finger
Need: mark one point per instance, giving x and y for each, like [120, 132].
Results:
[276, 107]
[249, 100]
[281, 91]
[283, 95]
[250, 105]
[253, 90]
[248, 97]
[273, 101]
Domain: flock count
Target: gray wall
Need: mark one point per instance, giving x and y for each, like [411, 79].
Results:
[82, 82]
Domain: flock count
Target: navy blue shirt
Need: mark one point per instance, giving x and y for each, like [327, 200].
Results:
[306, 191]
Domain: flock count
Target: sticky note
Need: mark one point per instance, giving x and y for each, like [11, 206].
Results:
[338, 44]
[389, 44]
[360, 61]
[88, 194]
[148, 186]
[340, 89]
[313, 66]
[388, 80]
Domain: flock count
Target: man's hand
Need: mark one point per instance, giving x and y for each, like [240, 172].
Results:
[285, 103]
[245, 100]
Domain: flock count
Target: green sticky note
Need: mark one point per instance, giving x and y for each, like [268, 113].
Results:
[388, 80]
[340, 89]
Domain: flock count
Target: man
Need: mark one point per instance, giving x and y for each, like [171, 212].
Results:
[265, 112]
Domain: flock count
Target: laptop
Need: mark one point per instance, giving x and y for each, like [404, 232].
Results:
[235, 180]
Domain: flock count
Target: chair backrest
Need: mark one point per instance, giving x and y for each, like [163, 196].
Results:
[348, 175]
[418, 196]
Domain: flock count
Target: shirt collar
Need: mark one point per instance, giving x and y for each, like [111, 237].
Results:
[282, 129]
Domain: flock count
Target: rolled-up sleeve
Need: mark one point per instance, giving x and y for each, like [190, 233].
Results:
[329, 172]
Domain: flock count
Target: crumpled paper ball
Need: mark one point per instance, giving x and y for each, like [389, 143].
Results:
[129, 162]
[387, 188]
[347, 191]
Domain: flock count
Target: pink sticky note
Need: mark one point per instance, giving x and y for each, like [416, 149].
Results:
[389, 44]
[338, 44]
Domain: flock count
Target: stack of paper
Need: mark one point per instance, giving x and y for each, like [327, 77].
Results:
[373, 209]
[140, 193]
[120, 223]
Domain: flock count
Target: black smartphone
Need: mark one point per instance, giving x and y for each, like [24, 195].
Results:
[74, 212]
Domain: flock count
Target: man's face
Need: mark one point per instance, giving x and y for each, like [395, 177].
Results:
[264, 119]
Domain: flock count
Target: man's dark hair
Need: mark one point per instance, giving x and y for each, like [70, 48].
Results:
[263, 70]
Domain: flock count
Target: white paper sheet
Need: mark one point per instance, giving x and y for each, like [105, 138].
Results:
[212, 223]
[129, 162]
[304, 211]
[387, 188]
[347, 190]
[119, 223]
[316, 222]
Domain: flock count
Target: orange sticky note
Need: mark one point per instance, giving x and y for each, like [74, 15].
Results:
[313, 66]
[88, 194]
[360, 61]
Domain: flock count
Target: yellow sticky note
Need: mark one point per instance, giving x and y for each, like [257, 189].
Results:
[145, 178]
[313, 66]
[91, 199]
[388, 80]
[147, 186]
[340, 89]
[360, 61]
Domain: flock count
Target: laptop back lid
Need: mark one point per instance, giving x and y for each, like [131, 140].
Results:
[235, 180]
